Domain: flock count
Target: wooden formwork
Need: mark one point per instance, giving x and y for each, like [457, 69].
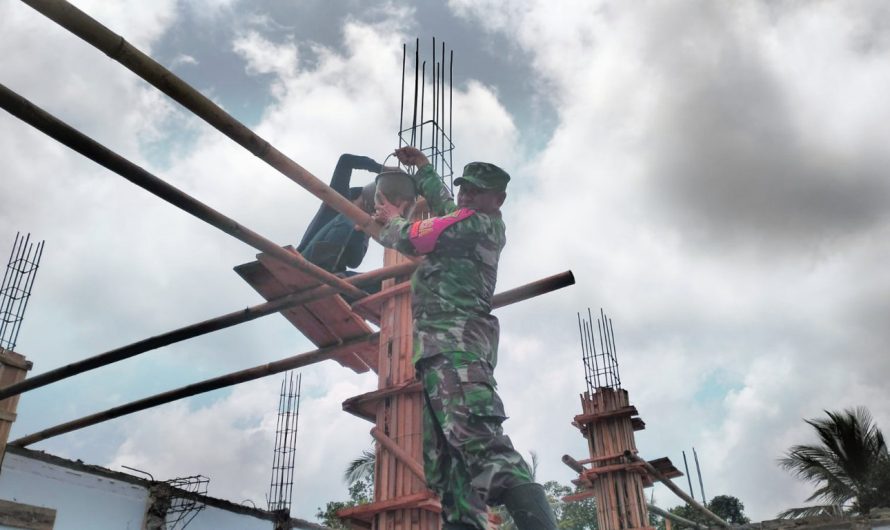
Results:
[13, 368]
[608, 422]
[402, 501]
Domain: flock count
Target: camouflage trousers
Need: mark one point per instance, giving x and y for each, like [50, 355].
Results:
[468, 460]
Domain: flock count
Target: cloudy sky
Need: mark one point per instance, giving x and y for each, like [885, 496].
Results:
[714, 174]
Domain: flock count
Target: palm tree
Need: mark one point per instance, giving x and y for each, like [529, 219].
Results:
[362, 468]
[850, 466]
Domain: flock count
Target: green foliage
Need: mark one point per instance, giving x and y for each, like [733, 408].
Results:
[359, 476]
[727, 507]
[580, 515]
[361, 491]
[850, 465]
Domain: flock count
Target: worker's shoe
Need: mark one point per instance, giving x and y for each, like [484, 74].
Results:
[529, 508]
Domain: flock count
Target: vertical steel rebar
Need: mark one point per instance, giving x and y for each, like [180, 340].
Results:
[688, 476]
[701, 483]
[402, 97]
[435, 108]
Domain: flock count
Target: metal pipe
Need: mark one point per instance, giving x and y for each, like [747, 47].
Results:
[701, 483]
[65, 134]
[673, 517]
[673, 487]
[688, 475]
[402, 98]
[507, 297]
[116, 47]
[198, 329]
[422, 101]
[416, 80]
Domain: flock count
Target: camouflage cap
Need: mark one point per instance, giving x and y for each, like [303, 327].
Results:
[484, 175]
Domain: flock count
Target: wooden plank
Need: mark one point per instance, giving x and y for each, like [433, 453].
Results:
[578, 496]
[365, 405]
[13, 369]
[267, 285]
[425, 500]
[629, 410]
[333, 314]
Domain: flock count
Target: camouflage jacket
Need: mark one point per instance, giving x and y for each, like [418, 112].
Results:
[453, 287]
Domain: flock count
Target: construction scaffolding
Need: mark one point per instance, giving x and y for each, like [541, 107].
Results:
[304, 294]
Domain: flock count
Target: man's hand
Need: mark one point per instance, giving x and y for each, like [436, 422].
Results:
[411, 156]
[386, 211]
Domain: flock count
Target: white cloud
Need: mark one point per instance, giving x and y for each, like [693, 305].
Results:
[742, 302]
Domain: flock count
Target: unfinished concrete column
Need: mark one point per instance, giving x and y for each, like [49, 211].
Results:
[13, 368]
[401, 499]
[159, 500]
[617, 484]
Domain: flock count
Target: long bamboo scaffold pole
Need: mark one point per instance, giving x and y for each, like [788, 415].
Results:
[116, 47]
[223, 381]
[517, 294]
[197, 329]
[677, 491]
[26, 111]
[675, 518]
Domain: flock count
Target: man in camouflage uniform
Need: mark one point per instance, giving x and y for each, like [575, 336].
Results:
[468, 460]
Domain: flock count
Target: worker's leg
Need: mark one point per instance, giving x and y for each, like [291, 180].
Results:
[472, 429]
[463, 508]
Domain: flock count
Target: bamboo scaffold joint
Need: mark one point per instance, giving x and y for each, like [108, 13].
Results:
[673, 487]
[198, 329]
[517, 294]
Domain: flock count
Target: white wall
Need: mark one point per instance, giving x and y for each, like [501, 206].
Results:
[91, 501]
[80, 500]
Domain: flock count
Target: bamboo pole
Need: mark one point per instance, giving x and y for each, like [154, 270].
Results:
[116, 47]
[223, 381]
[401, 454]
[195, 330]
[673, 487]
[65, 134]
[507, 297]
[676, 518]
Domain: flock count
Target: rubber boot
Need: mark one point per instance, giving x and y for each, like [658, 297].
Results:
[529, 508]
